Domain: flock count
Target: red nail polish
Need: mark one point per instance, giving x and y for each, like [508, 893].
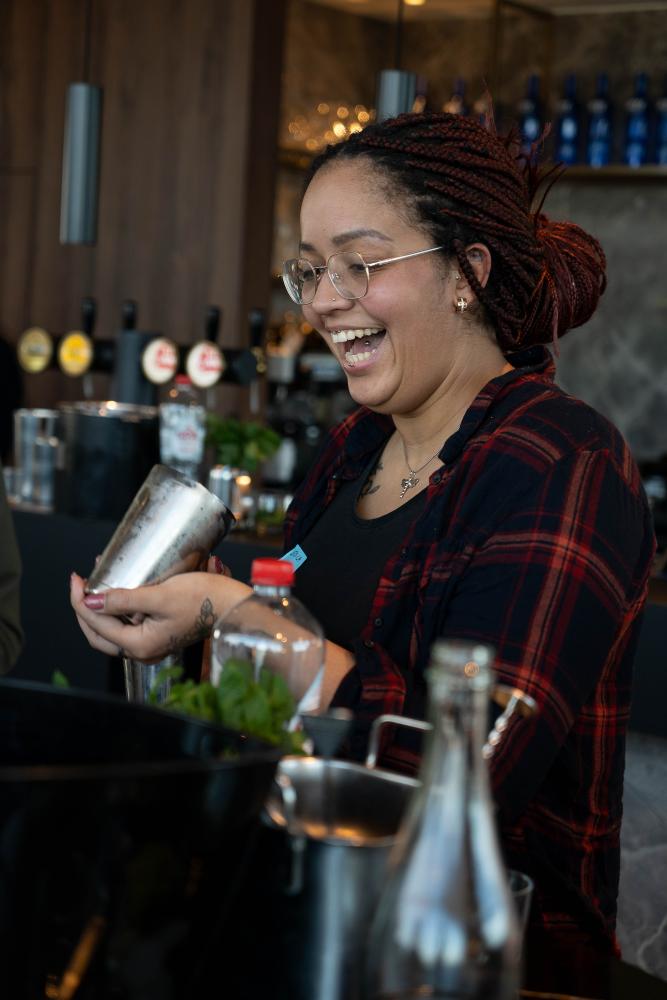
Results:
[94, 601]
[219, 568]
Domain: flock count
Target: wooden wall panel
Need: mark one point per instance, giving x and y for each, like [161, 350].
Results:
[187, 163]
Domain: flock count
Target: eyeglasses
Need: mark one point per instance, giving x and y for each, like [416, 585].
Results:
[348, 272]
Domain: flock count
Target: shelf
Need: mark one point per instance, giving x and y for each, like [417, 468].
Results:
[616, 172]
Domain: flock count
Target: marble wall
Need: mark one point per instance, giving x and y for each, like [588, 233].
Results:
[642, 901]
[617, 362]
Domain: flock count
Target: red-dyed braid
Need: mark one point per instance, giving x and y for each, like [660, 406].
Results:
[467, 184]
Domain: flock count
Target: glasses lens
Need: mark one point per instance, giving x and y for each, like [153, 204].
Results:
[300, 280]
[349, 274]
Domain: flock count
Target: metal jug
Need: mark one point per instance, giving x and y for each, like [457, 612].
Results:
[318, 872]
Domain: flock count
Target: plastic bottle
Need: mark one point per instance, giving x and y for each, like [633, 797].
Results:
[446, 924]
[637, 124]
[182, 428]
[600, 128]
[530, 114]
[272, 630]
[568, 123]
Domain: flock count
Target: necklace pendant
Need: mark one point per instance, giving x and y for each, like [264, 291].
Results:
[408, 484]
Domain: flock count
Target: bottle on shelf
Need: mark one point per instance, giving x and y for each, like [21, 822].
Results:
[182, 428]
[600, 125]
[568, 124]
[446, 924]
[637, 124]
[456, 105]
[661, 127]
[271, 631]
[530, 114]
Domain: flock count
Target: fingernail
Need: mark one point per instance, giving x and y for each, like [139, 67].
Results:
[219, 568]
[94, 601]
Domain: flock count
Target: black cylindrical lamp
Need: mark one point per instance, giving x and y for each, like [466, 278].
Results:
[81, 157]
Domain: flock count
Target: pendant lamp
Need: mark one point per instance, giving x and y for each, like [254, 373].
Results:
[396, 88]
[81, 155]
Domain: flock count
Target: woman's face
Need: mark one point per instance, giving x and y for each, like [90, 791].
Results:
[407, 316]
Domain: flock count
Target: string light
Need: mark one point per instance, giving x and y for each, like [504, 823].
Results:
[329, 122]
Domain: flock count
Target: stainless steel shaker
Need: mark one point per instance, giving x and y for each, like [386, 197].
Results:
[171, 526]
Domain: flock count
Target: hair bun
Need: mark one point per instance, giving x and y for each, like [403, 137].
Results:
[572, 280]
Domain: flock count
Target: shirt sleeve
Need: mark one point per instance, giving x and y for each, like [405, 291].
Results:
[555, 588]
[11, 636]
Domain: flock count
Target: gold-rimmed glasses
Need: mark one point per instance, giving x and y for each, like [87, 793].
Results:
[348, 272]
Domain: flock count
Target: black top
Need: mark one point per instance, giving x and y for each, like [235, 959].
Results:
[345, 555]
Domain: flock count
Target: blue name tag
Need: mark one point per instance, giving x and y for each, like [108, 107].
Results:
[296, 556]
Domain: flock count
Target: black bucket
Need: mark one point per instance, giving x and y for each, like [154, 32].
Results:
[109, 450]
[125, 834]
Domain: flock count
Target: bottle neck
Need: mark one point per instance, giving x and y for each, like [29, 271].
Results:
[458, 714]
[271, 590]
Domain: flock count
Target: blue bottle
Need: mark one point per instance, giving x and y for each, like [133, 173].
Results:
[568, 124]
[600, 128]
[456, 105]
[661, 128]
[530, 114]
[637, 124]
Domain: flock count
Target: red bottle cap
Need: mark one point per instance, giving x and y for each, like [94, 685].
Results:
[272, 572]
[183, 380]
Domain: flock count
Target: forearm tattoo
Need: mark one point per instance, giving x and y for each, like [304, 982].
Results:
[201, 628]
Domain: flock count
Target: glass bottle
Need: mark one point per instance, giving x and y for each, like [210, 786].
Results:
[600, 127]
[568, 123]
[637, 124]
[182, 428]
[445, 926]
[272, 630]
[530, 114]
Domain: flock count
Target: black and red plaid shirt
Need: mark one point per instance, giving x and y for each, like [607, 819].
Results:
[535, 537]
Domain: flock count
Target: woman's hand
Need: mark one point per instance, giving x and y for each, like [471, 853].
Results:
[168, 615]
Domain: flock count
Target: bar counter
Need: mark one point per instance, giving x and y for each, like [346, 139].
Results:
[52, 545]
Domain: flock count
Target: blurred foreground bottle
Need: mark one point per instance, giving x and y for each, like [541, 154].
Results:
[272, 632]
[182, 428]
[445, 926]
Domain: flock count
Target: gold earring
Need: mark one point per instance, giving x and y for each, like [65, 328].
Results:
[461, 304]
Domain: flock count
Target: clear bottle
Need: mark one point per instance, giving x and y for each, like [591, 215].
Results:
[568, 128]
[182, 428]
[600, 127]
[446, 926]
[272, 630]
[637, 124]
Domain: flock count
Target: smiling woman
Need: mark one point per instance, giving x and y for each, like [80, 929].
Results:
[467, 496]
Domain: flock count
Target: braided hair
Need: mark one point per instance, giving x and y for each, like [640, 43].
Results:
[464, 184]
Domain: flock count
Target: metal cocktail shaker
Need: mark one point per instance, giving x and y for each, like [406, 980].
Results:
[171, 526]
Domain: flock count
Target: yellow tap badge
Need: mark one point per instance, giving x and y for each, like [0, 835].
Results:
[34, 350]
[75, 353]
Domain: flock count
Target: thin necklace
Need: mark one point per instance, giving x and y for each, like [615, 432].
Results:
[413, 480]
